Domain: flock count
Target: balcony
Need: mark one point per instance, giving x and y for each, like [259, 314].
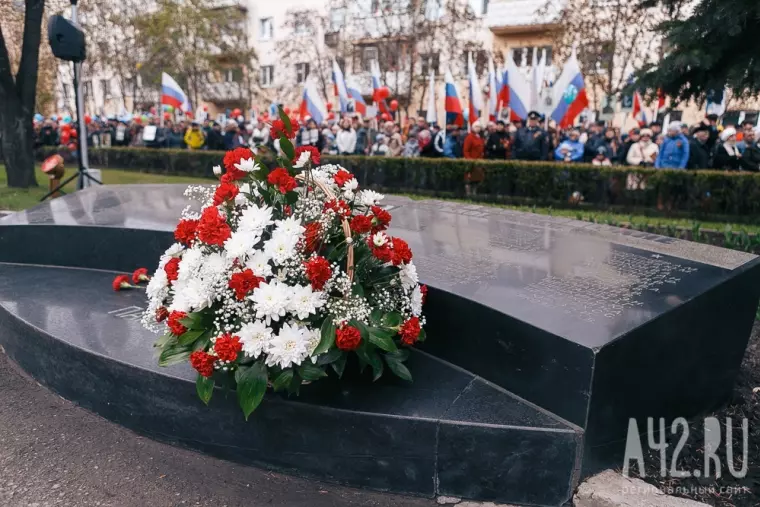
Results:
[521, 16]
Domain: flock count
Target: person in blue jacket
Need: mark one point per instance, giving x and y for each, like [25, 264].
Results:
[674, 152]
[571, 149]
[452, 148]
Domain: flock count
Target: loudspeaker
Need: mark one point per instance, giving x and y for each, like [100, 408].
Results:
[66, 39]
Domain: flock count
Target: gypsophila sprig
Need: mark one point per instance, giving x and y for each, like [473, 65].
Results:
[275, 278]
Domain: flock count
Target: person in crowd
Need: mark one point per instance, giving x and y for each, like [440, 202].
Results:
[362, 136]
[194, 138]
[595, 139]
[310, 135]
[571, 149]
[48, 134]
[711, 120]
[427, 148]
[530, 142]
[439, 139]
[231, 136]
[747, 128]
[260, 134]
[644, 151]
[750, 160]
[419, 126]
[214, 138]
[699, 153]
[380, 147]
[345, 139]
[674, 152]
[135, 136]
[601, 157]
[395, 143]
[685, 130]
[473, 149]
[497, 142]
[330, 135]
[412, 146]
[175, 138]
[727, 156]
[451, 146]
[633, 137]
[612, 143]
[656, 128]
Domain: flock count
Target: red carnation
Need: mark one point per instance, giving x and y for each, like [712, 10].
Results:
[213, 228]
[175, 326]
[161, 314]
[348, 338]
[185, 231]
[382, 218]
[172, 269]
[318, 272]
[402, 254]
[424, 291]
[287, 210]
[227, 347]
[311, 149]
[140, 275]
[203, 362]
[361, 224]
[121, 282]
[243, 283]
[278, 129]
[341, 177]
[225, 192]
[382, 253]
[312, 236]
[233, 157]
[410, 331]
[339, 206]
[282, 179]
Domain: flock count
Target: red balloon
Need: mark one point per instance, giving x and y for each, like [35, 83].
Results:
[189, 114]
[286, 110]
[383, 92]
[138, 120]
[394, 105]
[330, 115]
[65, 127]
[72, 147]
[87, 119]
[205, 108]
[386, 117]
[167, 116]
[329, 106]
[73, 134]
[65, 137]
[236, 112]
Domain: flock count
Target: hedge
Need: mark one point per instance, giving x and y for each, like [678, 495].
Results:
[541, 183]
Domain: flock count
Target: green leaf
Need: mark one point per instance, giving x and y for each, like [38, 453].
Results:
[189, 337]
[382, 338]
[295, 385]
[376, 316]
[194, 320]
[311, 372]
[291, 197]
[285, 119]
[339, 365]
[282, 380]
[399, 355]
[287, 148]
[422, 336]
[392, 319]
[370, 357]
[204, 386]
[330, 356]
[357, 289]
[327, 334]
[251, 386]
[377, 372]
[398, 368]
[166, 339]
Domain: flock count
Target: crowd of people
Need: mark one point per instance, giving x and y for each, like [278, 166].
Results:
[705, 145]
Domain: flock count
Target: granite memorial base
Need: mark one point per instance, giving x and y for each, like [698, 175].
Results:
[546, 336]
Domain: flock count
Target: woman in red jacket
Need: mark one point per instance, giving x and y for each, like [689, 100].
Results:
[473, 149]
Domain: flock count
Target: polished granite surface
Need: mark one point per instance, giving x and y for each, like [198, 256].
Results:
[586, 282]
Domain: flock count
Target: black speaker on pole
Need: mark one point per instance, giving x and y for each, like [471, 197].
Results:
[66, 39]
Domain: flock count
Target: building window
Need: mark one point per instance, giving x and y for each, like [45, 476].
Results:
[369, 53]
[302, 72]
[105, 86]
[374, 7]
[130, 86]
[233, 75]
[267, 75]
[302, 28]
[337, 19]
[479, 58]
[427, 60]
[523, 57]
[266, 28]
[87, 90]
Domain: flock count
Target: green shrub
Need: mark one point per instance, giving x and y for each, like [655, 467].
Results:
[542, 183]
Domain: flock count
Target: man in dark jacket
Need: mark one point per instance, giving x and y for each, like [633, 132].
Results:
[530, 141]
[48, 134]
[497, 143]
[633, 137]
[215, 139]
[750, 160]
[699, 152]
[595, 141]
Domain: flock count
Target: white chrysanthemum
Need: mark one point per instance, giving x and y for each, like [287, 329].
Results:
[416, 301]
[172, 251]
[290, 226]
[304, 301]
[157, 285]
[215, 265]
[255, 338]
[191, 262]
[191, 296]
[217, 170]
[281, 247]
[314, 337]
[247, 165]
[380, 238]
[270, 300]
[303, 159]
[259, 264]
[290, 346]
[255, 219]
[351, 184]
[370, 197]
[320, 175]
[241, 244]
[408, 275]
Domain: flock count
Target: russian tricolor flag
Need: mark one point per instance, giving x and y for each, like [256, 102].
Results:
[172, 94]
[382, 105]
[340, 87]
[476, 94]
[454, 114]
[518, 94]
[312, 104]
[352, 87]
[493, 91]
[569, 94]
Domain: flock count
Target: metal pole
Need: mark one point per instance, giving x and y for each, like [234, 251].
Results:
[83, 160]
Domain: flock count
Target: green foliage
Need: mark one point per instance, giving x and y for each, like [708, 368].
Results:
[204, 386]
[545, 183]
[251, 386]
